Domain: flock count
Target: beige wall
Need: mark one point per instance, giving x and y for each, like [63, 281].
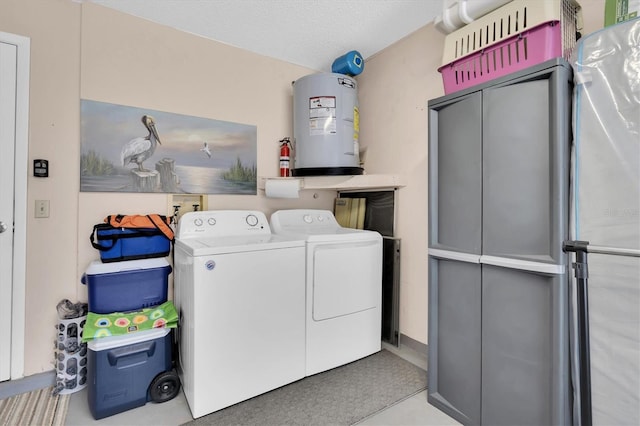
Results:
[54, 29]
[129, 61]
[393, 93]
[394, 90]
[86, 51]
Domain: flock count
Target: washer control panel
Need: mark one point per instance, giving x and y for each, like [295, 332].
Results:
[223, 223]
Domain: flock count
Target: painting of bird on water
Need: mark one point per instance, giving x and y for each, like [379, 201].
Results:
[139, 149]
[131, 149]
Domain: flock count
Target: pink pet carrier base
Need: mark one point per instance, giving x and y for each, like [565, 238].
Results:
[521, 51]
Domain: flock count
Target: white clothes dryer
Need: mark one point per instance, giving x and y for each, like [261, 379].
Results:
[344, 287]
[240, 294]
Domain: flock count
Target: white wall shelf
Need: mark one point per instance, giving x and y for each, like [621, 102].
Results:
[343, 183]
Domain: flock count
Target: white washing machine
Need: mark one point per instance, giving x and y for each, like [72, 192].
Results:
[240, 294]
[344, 287]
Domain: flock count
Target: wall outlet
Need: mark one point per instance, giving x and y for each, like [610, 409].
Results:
[179, 204]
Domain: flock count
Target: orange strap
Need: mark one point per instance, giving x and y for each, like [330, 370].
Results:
[142, 221]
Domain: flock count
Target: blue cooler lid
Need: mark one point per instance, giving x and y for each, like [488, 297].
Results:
[127, 339]
[97, 267]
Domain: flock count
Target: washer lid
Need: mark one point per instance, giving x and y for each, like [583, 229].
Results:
[221, 245]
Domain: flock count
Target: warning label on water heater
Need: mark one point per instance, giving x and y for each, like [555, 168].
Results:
[322, 115]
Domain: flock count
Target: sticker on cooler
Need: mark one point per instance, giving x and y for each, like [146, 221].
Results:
[322, 115]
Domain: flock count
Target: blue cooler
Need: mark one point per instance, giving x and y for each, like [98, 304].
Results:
[118, 244]
[127, 371]
[126, 286]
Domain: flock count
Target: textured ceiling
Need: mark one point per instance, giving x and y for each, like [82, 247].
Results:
[311, 33]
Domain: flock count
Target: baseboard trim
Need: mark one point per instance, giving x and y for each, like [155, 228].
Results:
[27, 384]
[419, 347]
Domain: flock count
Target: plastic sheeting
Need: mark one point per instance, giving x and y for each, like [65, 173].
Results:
[606, 212]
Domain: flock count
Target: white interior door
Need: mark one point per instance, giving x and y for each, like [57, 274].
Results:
[8, 56]
[14, 110]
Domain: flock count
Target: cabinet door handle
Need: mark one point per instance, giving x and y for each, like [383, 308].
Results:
[454, 255]
[524, 265]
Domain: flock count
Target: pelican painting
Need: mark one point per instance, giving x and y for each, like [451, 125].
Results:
[139, 149]
[185, 154]
[206, 150]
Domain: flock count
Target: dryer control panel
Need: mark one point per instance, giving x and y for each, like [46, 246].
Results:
[303, 220]
[222, 223]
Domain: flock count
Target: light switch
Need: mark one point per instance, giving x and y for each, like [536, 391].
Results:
[42, 208]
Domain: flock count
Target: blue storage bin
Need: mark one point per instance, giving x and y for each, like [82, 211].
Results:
[126, 286]
[122, 368]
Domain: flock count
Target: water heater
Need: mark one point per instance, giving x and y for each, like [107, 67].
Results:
[326, 125]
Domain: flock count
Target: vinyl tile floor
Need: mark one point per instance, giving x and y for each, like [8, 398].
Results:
[411, 411]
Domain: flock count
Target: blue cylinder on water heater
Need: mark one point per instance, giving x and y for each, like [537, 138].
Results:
[351, 63]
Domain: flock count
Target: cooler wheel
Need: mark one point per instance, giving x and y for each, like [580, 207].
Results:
[164, 387]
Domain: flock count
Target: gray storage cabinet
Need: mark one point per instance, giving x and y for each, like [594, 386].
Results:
[498, 278]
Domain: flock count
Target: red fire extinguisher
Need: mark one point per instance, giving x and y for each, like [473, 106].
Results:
[285, 157]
